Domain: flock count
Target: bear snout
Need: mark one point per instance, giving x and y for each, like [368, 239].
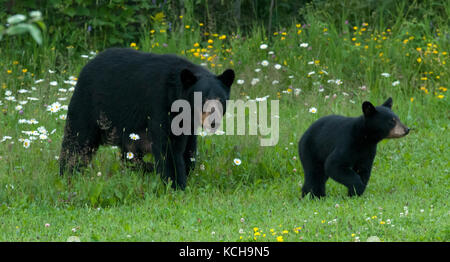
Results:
[399, 130]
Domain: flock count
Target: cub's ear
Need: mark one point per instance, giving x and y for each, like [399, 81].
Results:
[187, 78]
[368, 109]
[388, 103]
[227, 77]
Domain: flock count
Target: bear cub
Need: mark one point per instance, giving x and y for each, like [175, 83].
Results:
[125, 97]
[343, 148]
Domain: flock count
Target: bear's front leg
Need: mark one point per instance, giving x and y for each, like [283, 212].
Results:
[190, 153]
[169, 159]
[341, 172]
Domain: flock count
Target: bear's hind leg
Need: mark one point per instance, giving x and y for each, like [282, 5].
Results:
[314, 183]
[77, 148]
[315, 177]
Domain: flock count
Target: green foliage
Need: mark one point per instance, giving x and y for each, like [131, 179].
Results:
[18, 24]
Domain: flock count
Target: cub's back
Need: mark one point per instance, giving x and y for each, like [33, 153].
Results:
[324, 134]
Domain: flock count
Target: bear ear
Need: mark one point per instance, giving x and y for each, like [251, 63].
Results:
[368, 109]
[227, 77]
[388, 103]
[187, 78]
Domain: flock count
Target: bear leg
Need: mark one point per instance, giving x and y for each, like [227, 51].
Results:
[345, 175]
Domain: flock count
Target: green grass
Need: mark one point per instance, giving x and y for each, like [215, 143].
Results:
[259, 200]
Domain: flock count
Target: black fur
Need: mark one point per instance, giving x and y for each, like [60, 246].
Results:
[124, 91]
[344, 148]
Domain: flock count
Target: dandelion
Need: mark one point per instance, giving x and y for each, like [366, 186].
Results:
[134, 136]
[313, 110]
[130, 155]
[280, 239]
[237, 161]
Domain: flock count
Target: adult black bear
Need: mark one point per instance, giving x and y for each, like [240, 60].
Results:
[123, 97]
[344, 148]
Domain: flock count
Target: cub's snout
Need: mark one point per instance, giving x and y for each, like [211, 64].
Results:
[399, 130]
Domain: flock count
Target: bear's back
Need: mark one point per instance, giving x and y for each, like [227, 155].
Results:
[118, 67]
[325, 134]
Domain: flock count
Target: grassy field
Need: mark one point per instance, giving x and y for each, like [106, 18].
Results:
[317, 65]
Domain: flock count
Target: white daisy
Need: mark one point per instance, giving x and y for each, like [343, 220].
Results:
[6, 138]
[313, 110]
[240, 82]
[237, 161]
[26, 143]
[254, 81]
[304, 45]
[134, 136]
[277, 66]
[263, 46]
[265, 63]
[130, 155]
[386, 74]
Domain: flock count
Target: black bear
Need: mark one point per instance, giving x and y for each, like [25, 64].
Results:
[124, 97]
[344, 148]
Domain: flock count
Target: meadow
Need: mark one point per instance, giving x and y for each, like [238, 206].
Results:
[239, 191]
